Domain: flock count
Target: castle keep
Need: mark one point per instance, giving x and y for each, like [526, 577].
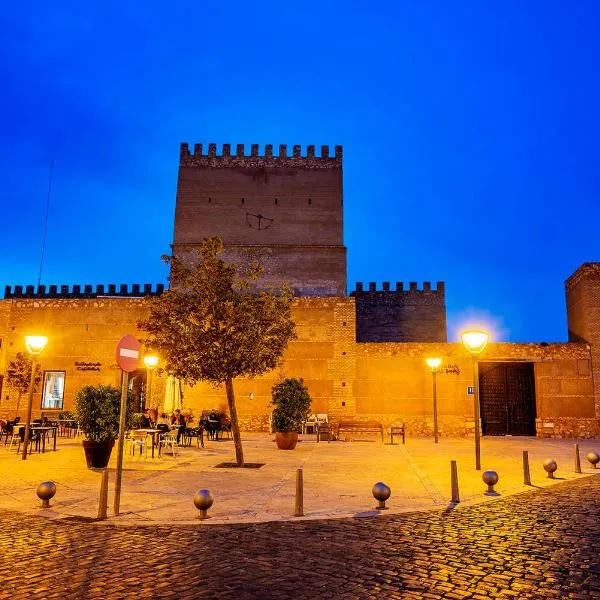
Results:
[361, 354]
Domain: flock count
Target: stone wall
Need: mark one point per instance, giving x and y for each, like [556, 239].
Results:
[388, 382]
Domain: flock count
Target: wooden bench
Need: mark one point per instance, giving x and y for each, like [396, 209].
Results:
[359, 427]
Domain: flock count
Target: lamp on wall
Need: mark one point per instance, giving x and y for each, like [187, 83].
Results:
[35, 345]
[434, 365]
[475, 341]
[150, 362]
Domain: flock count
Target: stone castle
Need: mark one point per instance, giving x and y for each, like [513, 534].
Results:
[361, 355]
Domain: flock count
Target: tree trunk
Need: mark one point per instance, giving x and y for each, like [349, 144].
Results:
[18, 402]
[235, 428]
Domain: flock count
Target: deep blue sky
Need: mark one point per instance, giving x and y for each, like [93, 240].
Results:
[470, 132]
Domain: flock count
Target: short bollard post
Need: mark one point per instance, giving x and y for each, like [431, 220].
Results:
[491, 479]
[103, 502]
[203, 500]
[381, 492]
[299, 504]
[550, 466]
[45, 492]
[577, 459]
[526, 473]
[454, 481]
[594, 458]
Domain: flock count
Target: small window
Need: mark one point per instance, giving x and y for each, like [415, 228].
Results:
[243, 200]
[310, 200]
[209, 200]
[53, 391]
[275, 200]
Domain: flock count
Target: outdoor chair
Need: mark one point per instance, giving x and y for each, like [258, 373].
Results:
[168, 440]
[141, 441]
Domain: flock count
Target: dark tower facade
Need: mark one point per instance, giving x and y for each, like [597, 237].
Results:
[285, 211]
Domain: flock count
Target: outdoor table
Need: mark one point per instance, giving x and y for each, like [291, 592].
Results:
[155, 434]
[43, 430]
[64, 426]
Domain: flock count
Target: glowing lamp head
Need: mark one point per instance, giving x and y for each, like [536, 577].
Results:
[150, 361]
[475, 340]
[35, 343]
[433, 363]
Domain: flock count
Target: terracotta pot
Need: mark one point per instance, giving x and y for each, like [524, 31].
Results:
[286, 440]
[97, 454]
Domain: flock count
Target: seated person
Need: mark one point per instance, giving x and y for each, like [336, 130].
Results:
[179, 420]
[145, 422]
[164, 419]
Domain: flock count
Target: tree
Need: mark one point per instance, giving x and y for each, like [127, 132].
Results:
[18, 375]
[215, 324]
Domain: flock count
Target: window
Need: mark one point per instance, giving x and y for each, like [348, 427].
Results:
[53, 392]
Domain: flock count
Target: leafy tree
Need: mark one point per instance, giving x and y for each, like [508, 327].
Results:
[214, 324]
[18, 375]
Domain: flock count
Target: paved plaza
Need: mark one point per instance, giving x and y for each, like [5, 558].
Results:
[338, 478]
[528, 542]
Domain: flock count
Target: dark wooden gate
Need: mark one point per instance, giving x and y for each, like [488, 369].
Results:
[507, 398]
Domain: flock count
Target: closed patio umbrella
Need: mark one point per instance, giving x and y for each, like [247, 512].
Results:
[173, 397]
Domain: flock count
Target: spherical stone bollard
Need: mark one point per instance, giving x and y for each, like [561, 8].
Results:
[203, 500]
[381, 492]
[594, 458]
[550, 466]
[45, 492]
[490, 478]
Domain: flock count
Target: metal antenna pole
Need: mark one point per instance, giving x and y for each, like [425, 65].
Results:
[46, 221]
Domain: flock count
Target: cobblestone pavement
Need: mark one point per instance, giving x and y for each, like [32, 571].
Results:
[542, 544]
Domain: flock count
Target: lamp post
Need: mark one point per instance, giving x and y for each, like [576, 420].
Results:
[35, 345]
[475, 341]
[434, 364]
[150, 362]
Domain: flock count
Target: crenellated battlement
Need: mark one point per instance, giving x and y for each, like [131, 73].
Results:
[412, 288]
[239, 158]
[86, 291]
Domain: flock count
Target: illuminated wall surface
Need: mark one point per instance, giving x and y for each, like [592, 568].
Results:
[362, 356]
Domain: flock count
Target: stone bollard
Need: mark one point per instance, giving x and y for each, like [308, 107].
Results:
[45, 492]
[490, 478]
[381, 492]
[103, 500]
[594, 458]
[299, 503]
[550, 466]
[203, 500]
[577, 460]
[526, 473]
[454, 482]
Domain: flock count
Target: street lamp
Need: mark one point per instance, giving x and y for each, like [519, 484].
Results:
[475, 341]
[434, 364]
[35, 345]
[150, 362]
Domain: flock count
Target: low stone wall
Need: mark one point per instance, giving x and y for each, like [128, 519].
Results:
[564, 427]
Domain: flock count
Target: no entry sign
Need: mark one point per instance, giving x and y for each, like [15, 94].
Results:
[128, 353]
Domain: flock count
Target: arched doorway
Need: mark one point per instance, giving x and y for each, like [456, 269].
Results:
[507, 397]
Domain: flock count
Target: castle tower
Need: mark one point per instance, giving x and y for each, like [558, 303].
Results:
[582, 290]
[285, 211]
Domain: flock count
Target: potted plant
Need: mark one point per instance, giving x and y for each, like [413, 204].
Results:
[97, 411]
[292, 407]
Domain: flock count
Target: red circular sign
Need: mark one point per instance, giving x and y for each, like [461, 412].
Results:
[128, 353]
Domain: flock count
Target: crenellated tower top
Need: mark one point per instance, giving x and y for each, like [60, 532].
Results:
[227, 159]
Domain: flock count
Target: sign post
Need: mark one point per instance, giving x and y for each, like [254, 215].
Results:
[128, 356]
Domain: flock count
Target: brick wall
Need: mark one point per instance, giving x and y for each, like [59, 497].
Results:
[289, 206]
[412, 315]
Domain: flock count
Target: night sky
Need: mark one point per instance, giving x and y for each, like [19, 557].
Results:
[470, 132]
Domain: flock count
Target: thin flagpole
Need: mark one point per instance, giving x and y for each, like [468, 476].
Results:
[46, 222]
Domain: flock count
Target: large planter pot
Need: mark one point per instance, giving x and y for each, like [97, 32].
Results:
[97, 454]
[286, 440]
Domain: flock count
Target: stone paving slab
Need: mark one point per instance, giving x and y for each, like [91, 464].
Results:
[338, 478]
